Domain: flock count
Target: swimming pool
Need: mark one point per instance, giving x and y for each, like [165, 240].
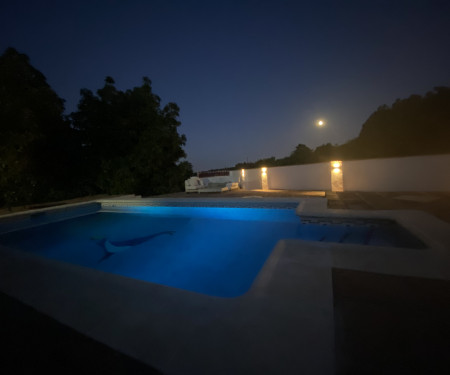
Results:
[216, 251]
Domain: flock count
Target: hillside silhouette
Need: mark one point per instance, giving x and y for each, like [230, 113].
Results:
[418, 125]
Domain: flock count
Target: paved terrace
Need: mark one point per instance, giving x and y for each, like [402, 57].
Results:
[381, 322]
[434, 203]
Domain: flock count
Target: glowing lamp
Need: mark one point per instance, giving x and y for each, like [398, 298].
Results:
[264, 182]
[243, 173]
[337, 181]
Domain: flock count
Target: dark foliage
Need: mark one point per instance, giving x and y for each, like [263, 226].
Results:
[117, 142]
[129, 143]
[36, 141]
[413, 126]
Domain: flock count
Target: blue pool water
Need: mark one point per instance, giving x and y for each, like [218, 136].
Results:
[215, 251]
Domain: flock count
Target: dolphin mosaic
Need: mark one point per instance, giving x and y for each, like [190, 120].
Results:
[114, 247]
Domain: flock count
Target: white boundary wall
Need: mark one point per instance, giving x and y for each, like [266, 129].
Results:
[252, 179]
[300, 177]
[414, 173]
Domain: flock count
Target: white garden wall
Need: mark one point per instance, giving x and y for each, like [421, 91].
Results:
[415, 173]
[252, 179]
[300, 177]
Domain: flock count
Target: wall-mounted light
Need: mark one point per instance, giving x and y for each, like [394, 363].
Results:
[243, 173]
[337, 182]
[264, 183]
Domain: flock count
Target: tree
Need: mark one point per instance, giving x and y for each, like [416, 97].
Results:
[35, 147]
[130, 144]
[326, 152]
[413, 126]
[301, 155]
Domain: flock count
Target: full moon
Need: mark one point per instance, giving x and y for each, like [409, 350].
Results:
[320, 123]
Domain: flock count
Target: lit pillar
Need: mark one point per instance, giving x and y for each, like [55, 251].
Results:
[242, 179]
[337, 181]
[264, 184]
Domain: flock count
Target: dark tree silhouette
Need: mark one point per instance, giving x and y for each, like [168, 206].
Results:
[36, 145]
[117, 142]
[326, 152]
[301, 155]
[413, 126]
[130, 144]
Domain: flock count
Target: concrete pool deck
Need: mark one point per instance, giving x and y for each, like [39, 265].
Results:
[284, 324]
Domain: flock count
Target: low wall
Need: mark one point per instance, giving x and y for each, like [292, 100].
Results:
[300, 177]
[252, 179]
[293, 177]
[414, 173]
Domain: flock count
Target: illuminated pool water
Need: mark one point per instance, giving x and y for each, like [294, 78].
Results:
[210, 250]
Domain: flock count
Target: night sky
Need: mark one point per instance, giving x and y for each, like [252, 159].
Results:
[251, 77]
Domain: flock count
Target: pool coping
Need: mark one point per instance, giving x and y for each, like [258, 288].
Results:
[283, 324]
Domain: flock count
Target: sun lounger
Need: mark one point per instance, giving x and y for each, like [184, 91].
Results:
[198, 185]
[193, 184]
[214, 187]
